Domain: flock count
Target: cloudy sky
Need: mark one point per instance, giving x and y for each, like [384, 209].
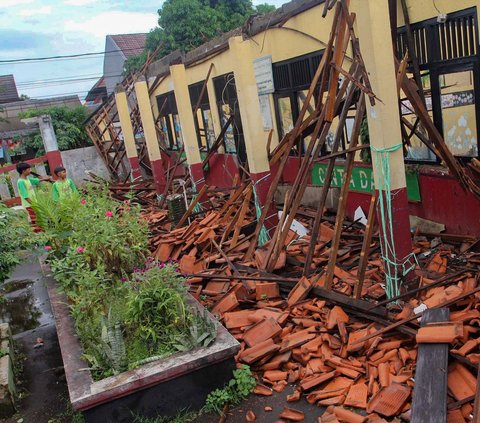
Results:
[43, 28]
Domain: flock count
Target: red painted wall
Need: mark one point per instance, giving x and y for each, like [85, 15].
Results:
[443, 199]
[222, 169]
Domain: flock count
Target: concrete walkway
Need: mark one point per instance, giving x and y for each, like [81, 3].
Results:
[42, 387]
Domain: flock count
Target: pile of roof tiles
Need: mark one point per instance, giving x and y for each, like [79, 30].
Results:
[335, 357]
[319, 349]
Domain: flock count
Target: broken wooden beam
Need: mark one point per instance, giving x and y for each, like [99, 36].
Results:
[429, 403]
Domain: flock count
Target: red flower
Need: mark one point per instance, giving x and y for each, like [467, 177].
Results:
[108, 213]
[83, 201]
[80, 250]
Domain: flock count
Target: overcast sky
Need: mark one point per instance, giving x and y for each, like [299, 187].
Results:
[42, 28]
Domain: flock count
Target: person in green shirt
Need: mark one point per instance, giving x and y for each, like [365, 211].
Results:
[26, 189]
[63, 187]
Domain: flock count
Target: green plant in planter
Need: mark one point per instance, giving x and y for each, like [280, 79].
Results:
[157, 302]
[110, 233]
[113, 343]
[55, 218]
[202, 333]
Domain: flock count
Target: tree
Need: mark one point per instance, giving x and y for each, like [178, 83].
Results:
[69, 126]
[186, 24]
[264, 8]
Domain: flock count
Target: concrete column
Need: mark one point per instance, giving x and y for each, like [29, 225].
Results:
[50, 142]
[189, 135]
[127, 131]
[148, 124]
[385, 135]
[255, 137]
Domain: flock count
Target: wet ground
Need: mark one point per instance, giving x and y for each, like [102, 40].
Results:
[41, 384]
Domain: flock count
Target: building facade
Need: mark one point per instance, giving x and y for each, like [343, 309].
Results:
[259, 76]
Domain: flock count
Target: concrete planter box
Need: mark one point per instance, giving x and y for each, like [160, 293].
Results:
[160, 388]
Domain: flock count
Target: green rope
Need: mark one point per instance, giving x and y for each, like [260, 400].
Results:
[263, 236]
[394, 269]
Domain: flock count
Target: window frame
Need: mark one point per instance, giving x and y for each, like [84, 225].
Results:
[169, 112]
[226, 94]
[438, 65]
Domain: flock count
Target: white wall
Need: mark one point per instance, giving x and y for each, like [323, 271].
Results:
[82, 159]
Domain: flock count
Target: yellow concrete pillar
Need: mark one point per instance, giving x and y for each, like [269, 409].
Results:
[373, 29]
[189, 134]
[377, 52]
[127, 131]
[252, 123]
[255, 136]
[184, 107]
[150, 134]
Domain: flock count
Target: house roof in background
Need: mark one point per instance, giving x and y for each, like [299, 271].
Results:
[130, 44]
[8, 89]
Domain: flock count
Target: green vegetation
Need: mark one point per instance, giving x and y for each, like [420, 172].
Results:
[69, 126]
[15, 235]
[183, 416]
[186, 24]
[238, 389]
[128, 309]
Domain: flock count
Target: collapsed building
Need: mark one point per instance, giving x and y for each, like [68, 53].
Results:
[365, 109]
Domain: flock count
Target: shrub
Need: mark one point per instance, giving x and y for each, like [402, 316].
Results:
[125, 314]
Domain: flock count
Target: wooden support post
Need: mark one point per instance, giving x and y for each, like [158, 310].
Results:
[429, 403]
[367, 239]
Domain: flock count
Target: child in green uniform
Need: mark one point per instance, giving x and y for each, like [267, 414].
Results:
[26, 190]
[63, 187]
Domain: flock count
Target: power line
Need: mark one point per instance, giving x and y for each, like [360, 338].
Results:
[60, 94]
[61, 57]
[56, 83]
[64, 78]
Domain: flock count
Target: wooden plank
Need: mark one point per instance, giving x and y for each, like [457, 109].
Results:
[328, 177]
[291, 140]
[429, 403]
[300, 184]
[241, 217]
[411, 50]
[338, 57]
[367, 239]
[416, 316]
[342, 204]
[476, 409]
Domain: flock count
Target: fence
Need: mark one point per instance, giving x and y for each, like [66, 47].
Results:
[9, 177]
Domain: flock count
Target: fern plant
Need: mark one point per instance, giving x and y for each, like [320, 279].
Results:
[113, 343]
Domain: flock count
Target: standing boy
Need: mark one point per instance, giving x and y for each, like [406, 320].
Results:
[26, 184]
[63, 187]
